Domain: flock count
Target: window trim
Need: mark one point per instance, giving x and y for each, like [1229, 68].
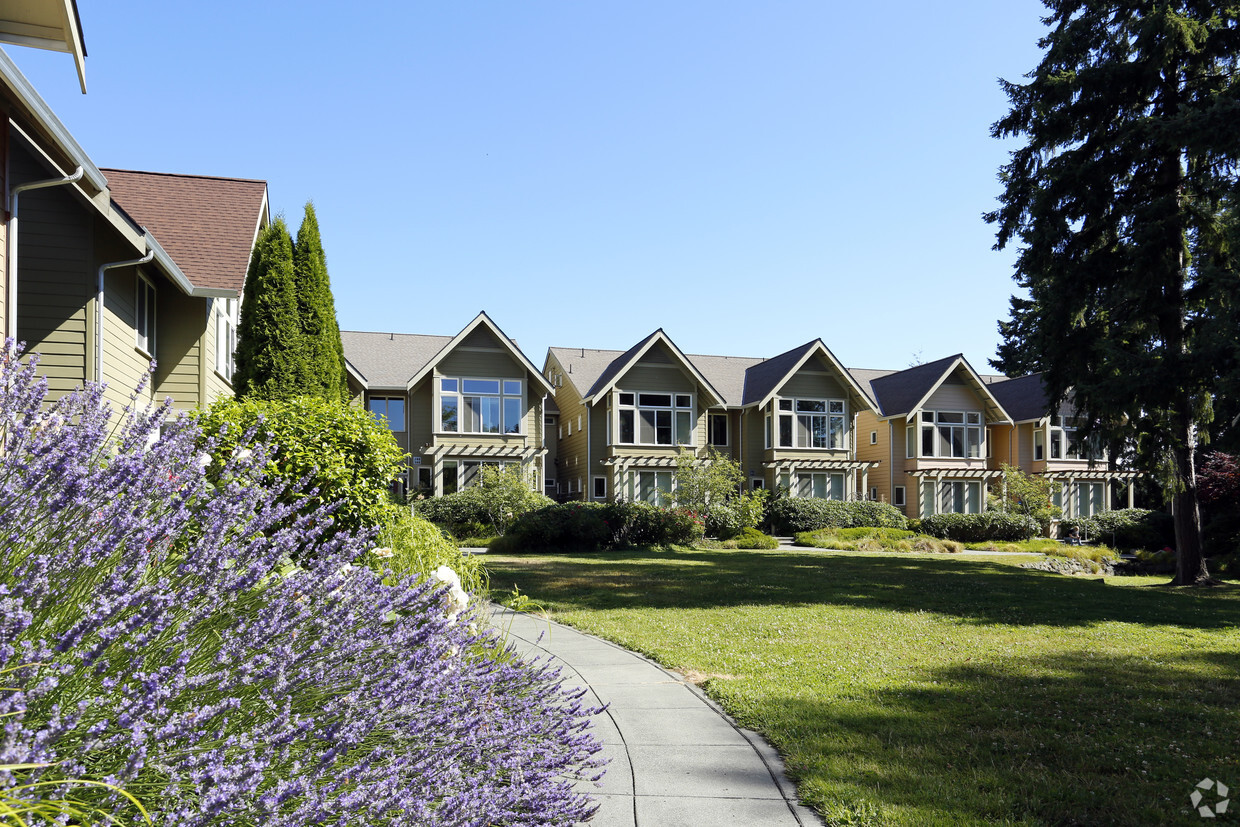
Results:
[788, 408]
[460, 394]
[594, 488]
[727, 429]
[898, 496]
[145, 298]
[386, 399]
[674, 411]
[227, 320]
[970, 421]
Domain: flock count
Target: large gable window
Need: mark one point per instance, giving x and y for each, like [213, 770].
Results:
[951, 434]
[654, 418]
[481, 406]
[812, 423]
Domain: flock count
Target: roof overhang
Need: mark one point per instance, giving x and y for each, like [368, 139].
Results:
[820, 347]
[482, 319]
[46, 24]
[995, 414]
[716, 399]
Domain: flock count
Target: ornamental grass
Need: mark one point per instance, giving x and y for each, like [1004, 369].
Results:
[154, 639]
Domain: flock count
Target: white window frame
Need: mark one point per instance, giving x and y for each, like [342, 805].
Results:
[833, 410]
[629, 404]
[898, 496]
[873, 437]
[227, 319]
[939, 426]
[145, 302]
[805, 482]
[594, 489]
[458, 392]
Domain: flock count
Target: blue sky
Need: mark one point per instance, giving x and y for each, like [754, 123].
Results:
[747, 176]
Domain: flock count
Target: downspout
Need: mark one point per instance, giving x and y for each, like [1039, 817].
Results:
[103, 268]
[11, 269]
[891, 465]
[589, 467]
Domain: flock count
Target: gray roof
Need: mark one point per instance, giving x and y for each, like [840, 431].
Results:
[897, 392]
[390, 360]
[768, 374]
[583, 366]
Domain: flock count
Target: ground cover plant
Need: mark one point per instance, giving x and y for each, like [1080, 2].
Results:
[154, 636]
[931, 689]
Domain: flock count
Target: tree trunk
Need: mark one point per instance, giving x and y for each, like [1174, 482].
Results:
[1190, 565]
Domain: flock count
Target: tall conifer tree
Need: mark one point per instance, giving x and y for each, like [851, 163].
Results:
[323, 371]
[1117, 201]
[268, 334]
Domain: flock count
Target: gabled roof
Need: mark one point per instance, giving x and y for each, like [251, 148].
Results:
[729, 375]
[900, 393]
[766, 378]
[618, 366]
[387, 360]
[1025, 397]
[398, 361]
[46, 24]
[207, 224]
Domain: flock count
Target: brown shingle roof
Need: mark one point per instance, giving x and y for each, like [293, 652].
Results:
[206, 224]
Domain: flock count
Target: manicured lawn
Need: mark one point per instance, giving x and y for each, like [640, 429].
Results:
[927, 689]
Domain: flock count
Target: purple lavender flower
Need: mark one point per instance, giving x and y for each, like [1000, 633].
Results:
[153, 634]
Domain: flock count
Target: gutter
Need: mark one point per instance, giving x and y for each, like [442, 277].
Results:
[103, 268]
[11, 264]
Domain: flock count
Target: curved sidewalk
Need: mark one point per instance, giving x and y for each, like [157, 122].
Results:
[676, 758]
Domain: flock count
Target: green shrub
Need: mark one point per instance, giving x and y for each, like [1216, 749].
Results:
[591, 526]
[791, 515]
[408, 544]
[722, 520]
[976, 528]
[751, 538]
[347, 455]
[1128, 528]
[487, 508]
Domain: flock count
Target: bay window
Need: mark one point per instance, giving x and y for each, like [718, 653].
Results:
[481, 406]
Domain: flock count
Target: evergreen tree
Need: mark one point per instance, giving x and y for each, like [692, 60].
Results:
[268, 335]
[1117, 201]
[322, 364]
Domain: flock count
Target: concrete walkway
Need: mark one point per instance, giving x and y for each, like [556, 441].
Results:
[676, 759]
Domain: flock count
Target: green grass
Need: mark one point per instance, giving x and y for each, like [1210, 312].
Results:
[927, 689]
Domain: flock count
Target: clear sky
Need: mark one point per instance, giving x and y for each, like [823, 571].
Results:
[747, 176]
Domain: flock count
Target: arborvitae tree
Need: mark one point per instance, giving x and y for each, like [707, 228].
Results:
[1117, 201]
[268, 335]
[323, 354]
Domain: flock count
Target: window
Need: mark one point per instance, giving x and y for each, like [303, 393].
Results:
[951, 434]
[600, 488]
[960, 497]
[655, 418]
[873, 494]
[757, 484]
[654, 487]
[898, 497]
[144, 317]
[226, 320]
[989, 445]
[1039, 441]
[425, 484]
[390, 410]
[481, 406]
[549, 488]
[811, 423]
[822, 486]
[717, 428]
[768, 430]
[449, 477]
[873, 437]
[910, 441]
[1065, 444]
[1088, 499]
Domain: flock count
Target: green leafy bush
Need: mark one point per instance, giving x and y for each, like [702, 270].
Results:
[487, 508]
[792, 515]
[592, 526]
[976, 528]
[722, 520]
[348, 456]
[1127, 528]
[410, 545]
[751, 538]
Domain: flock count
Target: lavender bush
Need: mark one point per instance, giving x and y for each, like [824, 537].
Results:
[154, 637]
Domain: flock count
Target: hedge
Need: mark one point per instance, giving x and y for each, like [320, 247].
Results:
[977, 528]
[792, 515]
[1128, 528]
[579, 526]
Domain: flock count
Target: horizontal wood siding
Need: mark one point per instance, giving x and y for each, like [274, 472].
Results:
[571, 459]
[55, 278]
[753, 445]
[422, 415]
[217, 386]
[816, 385]
[598, 447]
[954, 398]
[180, 323]
[123, 364]
[657, 378]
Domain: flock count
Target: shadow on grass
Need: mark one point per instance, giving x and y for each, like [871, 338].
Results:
[969, 589]
[1072, 738]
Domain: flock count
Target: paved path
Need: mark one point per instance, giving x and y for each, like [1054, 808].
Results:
[676, 759]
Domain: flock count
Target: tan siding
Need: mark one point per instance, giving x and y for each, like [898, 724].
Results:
[180, 322]
[665, 379]
[571, 451]
[55, 278]
[754, 445]
[954, 398]
[123, 364]
[217, 385]
[879, 477]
